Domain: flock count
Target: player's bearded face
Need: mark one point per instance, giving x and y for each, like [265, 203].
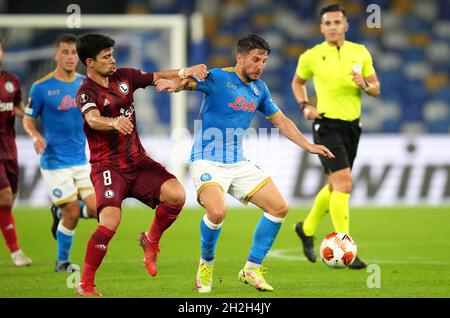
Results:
[105, 64]
[253, 64]
[66, 56]
[333, 26]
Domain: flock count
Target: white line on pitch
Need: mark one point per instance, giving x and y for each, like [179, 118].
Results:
[286, 254]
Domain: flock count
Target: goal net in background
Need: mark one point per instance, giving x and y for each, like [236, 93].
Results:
[147, 42]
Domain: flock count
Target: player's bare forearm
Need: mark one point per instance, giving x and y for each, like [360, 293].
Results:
[38, 140]
[198, 71]
[30, 127]
[101, 123]
[175, 85]
[165, 75]
[289, 130]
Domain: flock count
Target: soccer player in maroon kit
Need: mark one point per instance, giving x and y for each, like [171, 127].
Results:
[10, 106]
[120, 167]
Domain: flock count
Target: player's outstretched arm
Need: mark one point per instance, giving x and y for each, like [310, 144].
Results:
[101, 123]
[290, 131]
[198, 71]
[39, 143]
[175, 85]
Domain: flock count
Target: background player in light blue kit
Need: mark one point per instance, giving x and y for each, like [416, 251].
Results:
[217, 164]
[64, 165]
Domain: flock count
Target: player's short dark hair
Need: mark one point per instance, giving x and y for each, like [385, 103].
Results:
[90, 44]
[332, 8]
[250, 42]
[65, 38]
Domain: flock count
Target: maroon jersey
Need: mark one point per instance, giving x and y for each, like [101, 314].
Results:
[112, 148]
[10, 95]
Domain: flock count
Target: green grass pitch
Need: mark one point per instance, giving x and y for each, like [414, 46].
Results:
[409, 244]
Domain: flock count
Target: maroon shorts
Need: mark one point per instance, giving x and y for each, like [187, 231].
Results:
[144, 183]
[9, 175]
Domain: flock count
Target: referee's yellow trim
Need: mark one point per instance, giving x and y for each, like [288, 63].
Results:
[259, 186]
[279, 112]
[68, 199]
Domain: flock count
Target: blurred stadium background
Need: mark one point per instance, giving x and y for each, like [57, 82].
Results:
[410, 50]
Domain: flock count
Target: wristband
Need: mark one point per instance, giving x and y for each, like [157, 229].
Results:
[303, 105]
[182, 73]
[367, 86]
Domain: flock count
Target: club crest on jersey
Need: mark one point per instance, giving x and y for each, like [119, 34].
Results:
[57, 192]
[84, 98]
[205, 177]
[255, 89]
[9, 86]
[109, 194]
[123, 88]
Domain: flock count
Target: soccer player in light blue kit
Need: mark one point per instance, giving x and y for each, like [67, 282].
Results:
[63, 161]
[217, 164]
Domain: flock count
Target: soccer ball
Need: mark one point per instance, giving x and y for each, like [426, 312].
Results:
[338, 250]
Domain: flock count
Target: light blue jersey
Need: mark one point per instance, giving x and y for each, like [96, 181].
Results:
[54, 101]
[228, 107]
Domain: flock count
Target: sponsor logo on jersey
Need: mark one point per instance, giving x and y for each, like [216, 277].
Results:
[231, 85]
[241, 104]
[6, 107]
[205, 177]
[106, 102]
[127, 113]
[53, 92]
[9, 86]
[67, 102]
[123, 88]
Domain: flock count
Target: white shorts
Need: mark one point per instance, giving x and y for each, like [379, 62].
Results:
[241, 180]
[64, 185]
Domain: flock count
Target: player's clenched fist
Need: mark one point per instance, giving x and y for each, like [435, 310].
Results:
[123, 124]
[199, 71]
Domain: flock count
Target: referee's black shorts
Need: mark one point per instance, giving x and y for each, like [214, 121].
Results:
[341, 137]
